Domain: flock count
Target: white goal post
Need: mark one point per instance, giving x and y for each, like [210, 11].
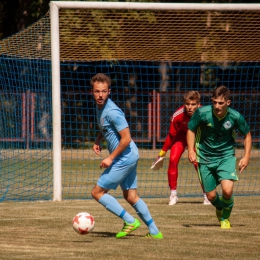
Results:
[55, 6]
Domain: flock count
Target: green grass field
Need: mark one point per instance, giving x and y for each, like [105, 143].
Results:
[32, 178]
[150, 183]
[43, 230]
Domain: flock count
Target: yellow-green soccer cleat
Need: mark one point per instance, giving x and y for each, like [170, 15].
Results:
[225, 224]
[128, 228]
[159, 235]
[219, 214]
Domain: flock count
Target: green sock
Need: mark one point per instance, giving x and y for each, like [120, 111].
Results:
[227, 207]
[217, 203]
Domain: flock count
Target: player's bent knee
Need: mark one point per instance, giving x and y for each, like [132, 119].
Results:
[93, 194]
[211, 195]
[227, 195]
[132, 198]
[96, 194]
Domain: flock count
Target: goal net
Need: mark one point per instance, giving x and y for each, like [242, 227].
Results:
[153, 53]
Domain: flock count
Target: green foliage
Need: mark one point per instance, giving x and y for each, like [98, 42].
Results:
[38, 9]
[33, 10]
[17, 14]
[102, 22]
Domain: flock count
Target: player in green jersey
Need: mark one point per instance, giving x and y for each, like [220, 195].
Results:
[212, 130]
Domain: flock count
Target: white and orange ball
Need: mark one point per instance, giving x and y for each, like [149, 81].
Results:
[83, 223]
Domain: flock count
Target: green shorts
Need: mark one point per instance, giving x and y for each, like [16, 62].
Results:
[211, 174]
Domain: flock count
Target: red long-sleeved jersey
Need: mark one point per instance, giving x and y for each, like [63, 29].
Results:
[179, 125]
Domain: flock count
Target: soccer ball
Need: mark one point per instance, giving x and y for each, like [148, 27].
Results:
[83, 223]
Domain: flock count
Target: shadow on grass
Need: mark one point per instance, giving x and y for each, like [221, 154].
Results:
[95, 234]
[109, 234]
[191, 202]
[209, 225]
[103, 234]
[81, 241]
[201, 225]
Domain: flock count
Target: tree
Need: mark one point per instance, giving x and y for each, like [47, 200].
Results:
[16, 15]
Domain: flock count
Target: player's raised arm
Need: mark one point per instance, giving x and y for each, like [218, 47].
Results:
[247, 146]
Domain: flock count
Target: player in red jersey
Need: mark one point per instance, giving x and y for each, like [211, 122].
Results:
[176, 141]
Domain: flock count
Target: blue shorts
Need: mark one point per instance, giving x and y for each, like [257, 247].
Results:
[123, 175]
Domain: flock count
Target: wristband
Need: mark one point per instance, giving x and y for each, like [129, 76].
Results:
[162, 153]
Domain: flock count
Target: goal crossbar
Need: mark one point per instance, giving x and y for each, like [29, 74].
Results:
[155, 6]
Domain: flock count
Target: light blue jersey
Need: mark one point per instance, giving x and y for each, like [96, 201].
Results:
[111, 120]
[123, 170]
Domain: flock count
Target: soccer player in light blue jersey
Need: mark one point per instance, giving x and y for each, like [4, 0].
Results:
[121, 164]
[212, 130]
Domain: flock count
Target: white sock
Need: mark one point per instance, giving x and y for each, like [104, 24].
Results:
[173, 192]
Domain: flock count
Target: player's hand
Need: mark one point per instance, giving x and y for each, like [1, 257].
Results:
[158, 163]
[97, 149]
[243, 163]
[192, 157]
[106, 163]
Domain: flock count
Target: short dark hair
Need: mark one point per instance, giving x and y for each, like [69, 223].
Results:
[100, 77]
[221, 91]
[192, 95]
